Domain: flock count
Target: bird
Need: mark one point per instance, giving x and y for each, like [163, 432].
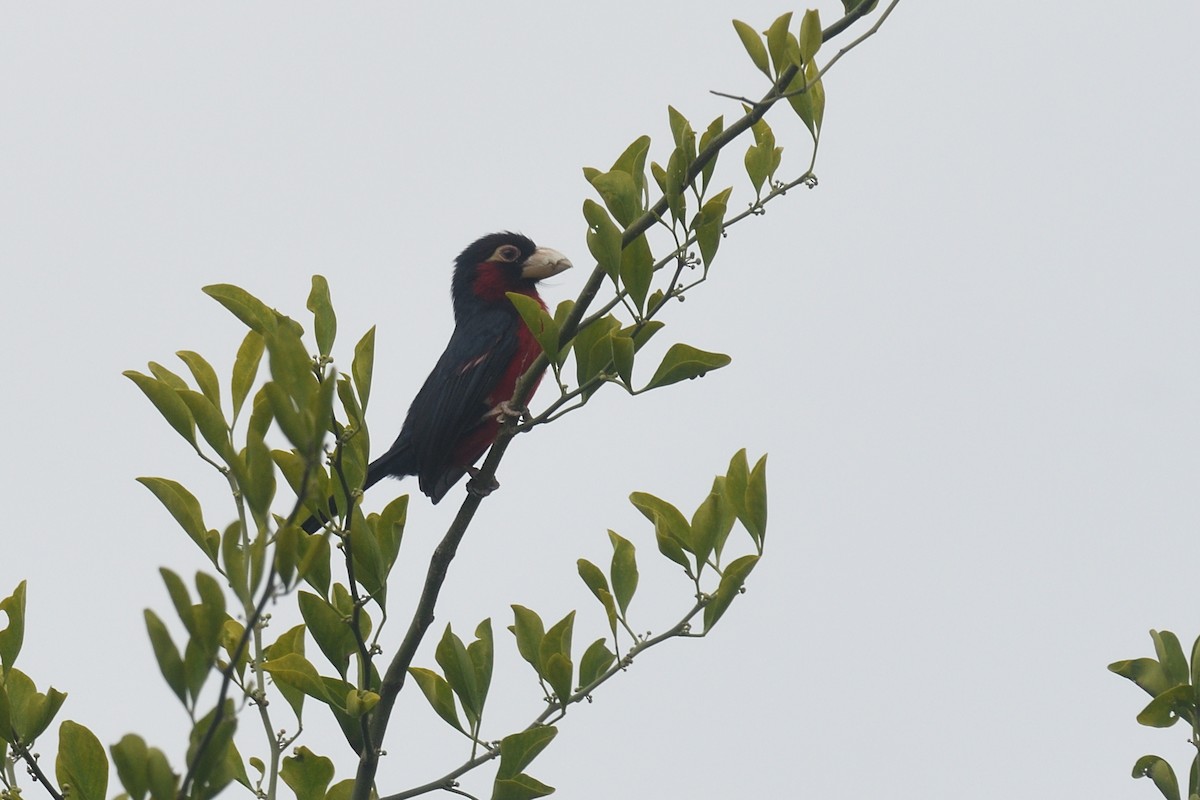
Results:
[457, 413]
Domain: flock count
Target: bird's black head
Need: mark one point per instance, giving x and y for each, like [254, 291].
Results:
[499, 263]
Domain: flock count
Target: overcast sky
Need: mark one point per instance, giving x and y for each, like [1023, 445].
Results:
[971, 355]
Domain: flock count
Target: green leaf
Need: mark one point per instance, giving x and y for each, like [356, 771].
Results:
[290, 420]
[731, 585]
[671, 528]
[363, 365]
[185, 508]
[29, 711]
[210, 614]
[245, 368]
[437, 691]
[684, 362]
[810, 34]
[166, 376]
[683, 135]
[180, 598]
[307, 773]
[660, 176]
[622, 357]
[205, 375]
[214, 766]
[314, 565]
[294, 670]
[595, 662]
[677, 166]
[1166, 709]
[170, 664]
[1195, 671]
[637, 270]
[736, 479]
[623, 570]
[619, 192]
[777, 42]
[243, 305]
[13, 634]
[130, 756]
[642, 333]
[389, 529]
[291, 641]
[482, 655]
[753, 43]
[330, 629]
[603, 238]
[539, 322]
[633, 161]
[757, 164]
[168, 402]
[342, 790]
[258, 484]
[808, 104]
[1170, 655]
[714, 129]
[792, 47]
[1160, 772]
[518, 750]
[1145, 672]
[709, 225]
[324, 320]
[529, 631]
[519, 787]
[164, 783]
[755, 519]
[727, 514]
[594, 578]
[706, 528]
[231, 634]
[554, 655]
[591, 350]
[81, 764]
[211, 423]
[451, 655]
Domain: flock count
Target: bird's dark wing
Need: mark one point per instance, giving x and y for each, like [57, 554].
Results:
[453, 399]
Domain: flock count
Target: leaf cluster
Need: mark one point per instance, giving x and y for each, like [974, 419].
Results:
[1174, 684]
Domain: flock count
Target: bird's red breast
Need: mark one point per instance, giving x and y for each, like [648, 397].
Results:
[489, 284]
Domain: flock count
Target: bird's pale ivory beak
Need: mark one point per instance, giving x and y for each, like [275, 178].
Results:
[543, 263]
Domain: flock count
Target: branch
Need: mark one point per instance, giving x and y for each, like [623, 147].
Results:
[227, 675]
[397, 671]
[439, 564]
[680, 629]
[821, 72]
[364, 654]
[36, 771]
[860, 10]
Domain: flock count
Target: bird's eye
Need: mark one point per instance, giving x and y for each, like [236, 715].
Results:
[505, 253]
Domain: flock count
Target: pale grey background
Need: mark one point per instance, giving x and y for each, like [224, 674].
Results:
[970, 354]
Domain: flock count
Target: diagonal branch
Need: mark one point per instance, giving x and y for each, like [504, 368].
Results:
[31, 762]
[393, 680]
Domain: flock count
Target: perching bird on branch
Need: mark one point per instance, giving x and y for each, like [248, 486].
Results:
[457, 413]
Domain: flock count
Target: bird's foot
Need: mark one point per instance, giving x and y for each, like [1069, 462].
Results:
[507, 410]
[478, 487]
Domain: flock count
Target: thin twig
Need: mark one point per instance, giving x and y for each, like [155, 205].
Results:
[821, 72]
[681, 628]
[364, 655]
[32, 763]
